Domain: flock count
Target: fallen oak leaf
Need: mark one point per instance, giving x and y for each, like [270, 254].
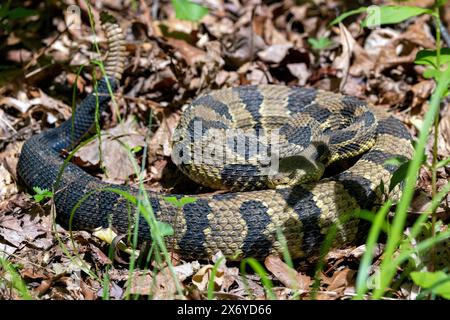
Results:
[341, 280]
[286, 275]
[115, 157]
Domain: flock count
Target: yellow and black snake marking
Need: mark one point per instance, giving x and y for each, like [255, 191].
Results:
[315, 128]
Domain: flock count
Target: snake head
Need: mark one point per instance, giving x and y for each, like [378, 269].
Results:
[306, 166]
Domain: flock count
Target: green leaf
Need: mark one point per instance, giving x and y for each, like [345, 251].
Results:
[20, 13]
[440, 3]
[186, 200]
[377, 16]
[320, 44]
[438, 76]
[382, 188]
[438, 282]
[432, 73]
[343, 16]
[429, 57]
[41, 194]
[179, 203]
[399, 174]
[186, 10]
[165, 229]
[136, 149]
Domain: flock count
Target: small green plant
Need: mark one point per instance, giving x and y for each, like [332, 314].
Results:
[321, 43]
[41, 194]
[434, 62]
[179, 203]
[187, 10]
[438, 283]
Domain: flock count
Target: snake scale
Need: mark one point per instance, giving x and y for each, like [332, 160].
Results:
[238, 223]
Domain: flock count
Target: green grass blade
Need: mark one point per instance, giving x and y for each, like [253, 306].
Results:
[259, 269]
[366, 261]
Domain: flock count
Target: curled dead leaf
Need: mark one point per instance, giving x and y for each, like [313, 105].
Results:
[286, 275]
[202, 278]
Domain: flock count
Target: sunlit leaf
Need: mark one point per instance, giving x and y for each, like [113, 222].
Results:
[41, 194]
[438, 282]
[187, 10]
[379, 15]
[429, 57]
[320, 43]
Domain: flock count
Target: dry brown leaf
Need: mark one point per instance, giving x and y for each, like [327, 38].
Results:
[420, 203]
[115, 291]
[341, 280]
[444, 134]
[191, 54]
[162, 286]
[378, 39]
[99, 256]
[272, 35]
[18, 232]
[229, 274]
[300, 71]
[419, 33]
[115, 157]
[88, 293]
[286, 275]
[275, 53]
[142, 284]
[7, 185]
[6, 127]
[251, 285]
[422, 91]
[22, 104]
[161, 140]
[342, 63]
[241, 47]
[256, 76]
[388, 58]
[415, 3]
[52, 104]
[203, 276]
[359, 251]
[186, 270]
[212, 64]
[174, 28]
[390, 92]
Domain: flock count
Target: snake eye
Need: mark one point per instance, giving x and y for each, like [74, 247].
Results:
[277, 181]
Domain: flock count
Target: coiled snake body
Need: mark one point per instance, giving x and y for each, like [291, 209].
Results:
[244, 223]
